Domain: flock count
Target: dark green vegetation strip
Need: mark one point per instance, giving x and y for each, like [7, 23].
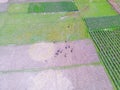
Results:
[105, 32]
[103, 22]
[52, 7]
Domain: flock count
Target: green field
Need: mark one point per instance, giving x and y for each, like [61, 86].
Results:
[18, 8]
[105, 32]
[52, 7]
[43, 7]
[108, 44]
[17, 26]
[108, 22]
[23, 24]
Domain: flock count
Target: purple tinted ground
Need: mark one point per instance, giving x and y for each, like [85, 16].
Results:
[82, 78]
[75, 52]
[18, 1]
[3, 7]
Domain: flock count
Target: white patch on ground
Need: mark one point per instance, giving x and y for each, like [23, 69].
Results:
[90, 0]
[62, 18]
[42, 51]
[106, 29]
[3, 1]
[50, 80]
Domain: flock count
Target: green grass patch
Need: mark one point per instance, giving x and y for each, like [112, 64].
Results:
[52, 7]
[95, 9]
[25, 28]
[31, 28]
[18, 8]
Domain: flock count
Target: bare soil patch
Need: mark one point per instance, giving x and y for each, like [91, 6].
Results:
[82, 78]
[3, 7]
[22, 1]
[47, 55]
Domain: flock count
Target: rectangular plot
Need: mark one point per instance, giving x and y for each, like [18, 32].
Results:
[3, 7]
[81, 78]
[38, 55]
[52, 7]
[103, 22]
[109, 52]
[24, 1]
[18, 8]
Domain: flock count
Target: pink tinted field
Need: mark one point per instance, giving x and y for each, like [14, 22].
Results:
[81, 78]
[65, 54]
[18, 1]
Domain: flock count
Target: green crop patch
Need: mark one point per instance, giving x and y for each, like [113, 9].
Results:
[52, 7]
[20, 27]
[108, 44]
[105, 32]
[106, 23]
[18, 8]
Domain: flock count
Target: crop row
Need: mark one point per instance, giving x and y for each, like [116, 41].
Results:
[108, 43]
